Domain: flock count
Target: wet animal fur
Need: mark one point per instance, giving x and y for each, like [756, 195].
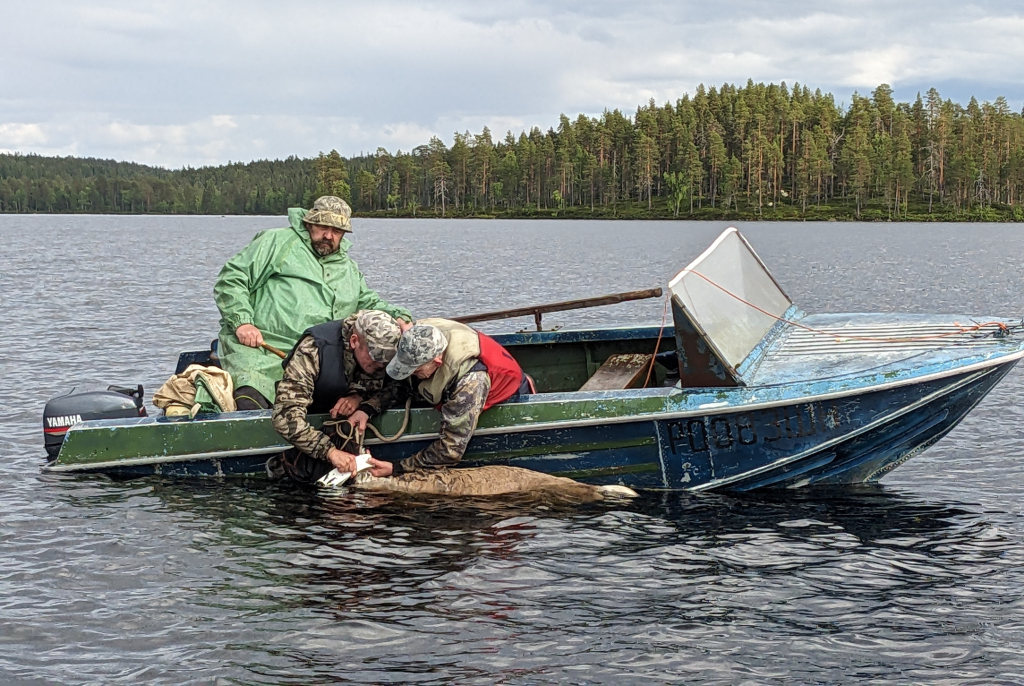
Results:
[488, 481]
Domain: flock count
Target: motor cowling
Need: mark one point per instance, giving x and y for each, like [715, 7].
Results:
[64, 411]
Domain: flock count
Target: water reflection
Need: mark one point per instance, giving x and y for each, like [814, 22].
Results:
[182, 581]
[670, 585]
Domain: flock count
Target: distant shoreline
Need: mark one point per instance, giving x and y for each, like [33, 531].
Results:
[781, 213]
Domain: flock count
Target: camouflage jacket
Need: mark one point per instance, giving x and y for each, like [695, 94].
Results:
[462, 404]
[295, 394]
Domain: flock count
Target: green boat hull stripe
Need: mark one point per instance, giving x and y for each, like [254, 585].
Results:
[163, 459]
[271, 450]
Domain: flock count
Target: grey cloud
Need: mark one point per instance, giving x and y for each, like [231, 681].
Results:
[160, 82]
[597, 34]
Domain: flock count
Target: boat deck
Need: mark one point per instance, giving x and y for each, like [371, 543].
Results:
[835, 346]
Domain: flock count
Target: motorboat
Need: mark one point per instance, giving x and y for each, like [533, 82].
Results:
[739, 389]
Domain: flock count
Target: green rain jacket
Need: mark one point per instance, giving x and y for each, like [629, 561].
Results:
[282, 286]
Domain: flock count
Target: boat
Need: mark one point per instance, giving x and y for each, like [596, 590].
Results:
[740, 390]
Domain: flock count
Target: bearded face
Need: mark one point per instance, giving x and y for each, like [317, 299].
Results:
[325, 239]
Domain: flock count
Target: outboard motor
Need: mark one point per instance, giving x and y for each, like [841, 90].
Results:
[64, 411]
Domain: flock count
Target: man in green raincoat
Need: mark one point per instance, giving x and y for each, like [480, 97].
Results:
[282, 283]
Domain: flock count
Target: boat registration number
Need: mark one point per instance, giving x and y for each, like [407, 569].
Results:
[724, 432]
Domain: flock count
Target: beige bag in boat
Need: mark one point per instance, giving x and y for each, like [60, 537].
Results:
[177, 397]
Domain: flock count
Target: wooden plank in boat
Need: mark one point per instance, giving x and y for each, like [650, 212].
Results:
[626, 370]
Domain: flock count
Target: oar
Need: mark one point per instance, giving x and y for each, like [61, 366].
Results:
[538, 310]
[274, 350]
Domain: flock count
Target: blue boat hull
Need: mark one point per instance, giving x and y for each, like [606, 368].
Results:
[836, 441]
[831, 440]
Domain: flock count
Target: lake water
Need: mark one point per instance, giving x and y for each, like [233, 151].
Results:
[170, 581]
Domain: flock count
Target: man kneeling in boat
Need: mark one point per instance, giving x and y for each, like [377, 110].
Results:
[464, 372]
[460, 371]
[336, 367]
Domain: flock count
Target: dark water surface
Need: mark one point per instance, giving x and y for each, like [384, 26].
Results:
[919, 580]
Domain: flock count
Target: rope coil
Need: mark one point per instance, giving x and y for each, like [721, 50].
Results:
[358, 435]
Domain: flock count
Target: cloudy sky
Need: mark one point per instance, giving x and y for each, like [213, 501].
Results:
[192, 83]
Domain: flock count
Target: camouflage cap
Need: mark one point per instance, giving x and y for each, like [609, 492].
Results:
[418, 345]
[329, 210]
[380, 332]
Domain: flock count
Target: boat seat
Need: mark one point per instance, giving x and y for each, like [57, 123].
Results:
[625, 370]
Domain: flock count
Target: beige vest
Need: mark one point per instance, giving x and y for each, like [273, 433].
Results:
[462, 353]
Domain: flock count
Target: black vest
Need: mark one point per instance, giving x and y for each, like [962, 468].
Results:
[331, 383]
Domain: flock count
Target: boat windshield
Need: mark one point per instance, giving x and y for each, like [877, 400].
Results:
[730, 298]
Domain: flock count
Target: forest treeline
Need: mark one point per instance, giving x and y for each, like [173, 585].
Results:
[761, 150]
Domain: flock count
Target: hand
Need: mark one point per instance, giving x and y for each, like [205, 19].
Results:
[342, 461]
[249, 335]
[380, 468]
[403, 325]
[359, 419]
[345, 406]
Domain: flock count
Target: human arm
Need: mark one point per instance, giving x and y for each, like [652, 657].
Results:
[378, 396]
[359, 419]
[342, 461]
[381, 468]
[294, 396]
[459, 416]
[239, 277]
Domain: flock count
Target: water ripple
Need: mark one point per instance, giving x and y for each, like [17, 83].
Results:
[191, 581]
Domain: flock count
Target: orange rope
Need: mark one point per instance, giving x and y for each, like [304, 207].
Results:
[664, 318]
[909, 339]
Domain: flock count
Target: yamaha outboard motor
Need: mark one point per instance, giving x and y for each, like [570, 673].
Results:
[64, 411]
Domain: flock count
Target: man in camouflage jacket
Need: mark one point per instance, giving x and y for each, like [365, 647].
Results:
[461, 372]
[370, 339]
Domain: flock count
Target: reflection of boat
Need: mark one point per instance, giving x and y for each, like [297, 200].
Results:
[767, 396]
[869, 512]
